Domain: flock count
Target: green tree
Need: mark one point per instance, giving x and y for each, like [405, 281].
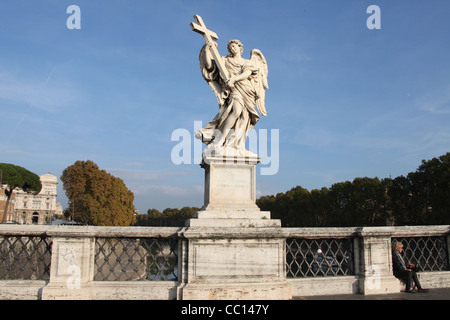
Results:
[17, 177]
[279, 208]
[154, 213]
[295, 208]
[300, 208]
[369, 195]
[188, 212]
[321, 207]
[422, 197]
[430, 190]
[170, 217]
[96, 197]
[170, 212]
[401, 204]
[361, 202]
[267, 203]
[341, 204]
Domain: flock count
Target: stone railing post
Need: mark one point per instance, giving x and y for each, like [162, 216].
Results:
[72, 268]
[375, 268]
[234, 263]
[448, 248]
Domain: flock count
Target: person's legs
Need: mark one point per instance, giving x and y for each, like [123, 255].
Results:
[407, 277]
[415, 278]
[409, 281]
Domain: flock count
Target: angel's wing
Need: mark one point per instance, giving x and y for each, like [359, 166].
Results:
[213, 79]
[260, 79]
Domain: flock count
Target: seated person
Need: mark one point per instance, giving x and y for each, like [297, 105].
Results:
[403, 271]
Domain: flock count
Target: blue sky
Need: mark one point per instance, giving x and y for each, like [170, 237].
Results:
[348, 101]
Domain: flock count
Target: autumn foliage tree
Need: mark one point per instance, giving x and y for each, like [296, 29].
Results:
[96, 197]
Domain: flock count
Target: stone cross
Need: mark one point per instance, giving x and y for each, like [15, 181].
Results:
[209, 36]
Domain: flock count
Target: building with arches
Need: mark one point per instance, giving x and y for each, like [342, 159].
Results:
[38, 209]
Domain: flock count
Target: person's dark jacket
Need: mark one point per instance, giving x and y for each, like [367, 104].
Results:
[398, 263]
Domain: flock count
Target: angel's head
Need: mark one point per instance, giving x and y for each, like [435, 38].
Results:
[235, 45]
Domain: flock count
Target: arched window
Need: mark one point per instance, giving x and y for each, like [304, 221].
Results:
[35, 218]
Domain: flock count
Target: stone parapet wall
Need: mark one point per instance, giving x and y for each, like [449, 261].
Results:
[212, 263]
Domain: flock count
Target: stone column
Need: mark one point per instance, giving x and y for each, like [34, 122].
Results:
[72, 268]
[376, 274]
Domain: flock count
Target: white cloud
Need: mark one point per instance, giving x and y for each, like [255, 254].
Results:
[167, 190]
[151, 183]
[436, 102]
[44, 94]
[316, 137]
[295, 55]
[359, 139]
[145, 175]
[15, 151]
[134, 164]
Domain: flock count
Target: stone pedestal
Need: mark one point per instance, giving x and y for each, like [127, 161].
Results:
[235, 263]
[235, 250]
[72, 269]
[230, 194]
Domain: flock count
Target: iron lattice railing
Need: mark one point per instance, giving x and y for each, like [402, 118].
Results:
[25, 257]
[319, 257]
[123, 259]
[426, 253]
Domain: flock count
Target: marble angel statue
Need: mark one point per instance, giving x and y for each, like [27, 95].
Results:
[239, 85]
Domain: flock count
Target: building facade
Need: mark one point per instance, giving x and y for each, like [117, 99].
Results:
[38, 209]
